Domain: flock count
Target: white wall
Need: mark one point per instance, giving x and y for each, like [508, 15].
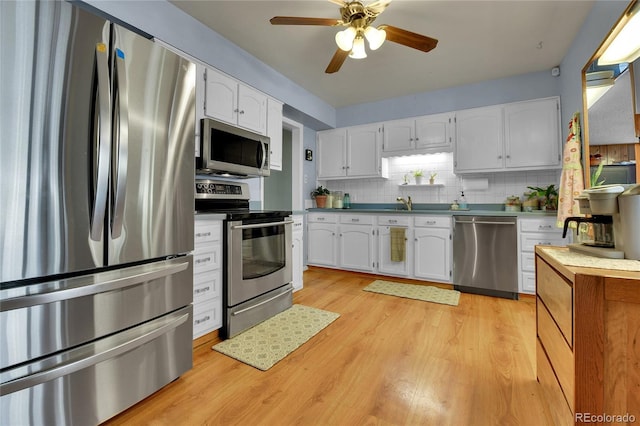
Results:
[501, 184]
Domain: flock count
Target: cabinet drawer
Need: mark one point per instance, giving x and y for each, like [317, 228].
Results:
[560, 411]
[558, 351]
[557, 295]
[207, 258]
[207, 285]
[432, 221]
[393, 220]
[529, 241]
[357, 219]
[539, 225]
[322, 217]
[207, 317]
[529, 282]
[207, 232]
[528, 261]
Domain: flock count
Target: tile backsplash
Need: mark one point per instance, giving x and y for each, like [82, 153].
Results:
[500, 185]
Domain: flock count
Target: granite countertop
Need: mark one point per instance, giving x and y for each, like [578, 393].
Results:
[434, 209]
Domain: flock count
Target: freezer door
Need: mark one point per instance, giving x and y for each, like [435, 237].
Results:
[41, 319]
[52, 141]
[152, 178]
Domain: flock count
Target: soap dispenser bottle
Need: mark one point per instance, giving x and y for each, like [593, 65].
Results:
[463, 201]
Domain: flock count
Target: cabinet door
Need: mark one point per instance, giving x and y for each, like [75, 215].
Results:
[479, 139]
[532, 134]
[398, 135]
[252, 109]
[332, 153]
[434, 131]
[221, 97]
[274, 131]
[432, 258]
[297, 257]
[363, 151]
[323, 246]
[385, 264]
[356, 247]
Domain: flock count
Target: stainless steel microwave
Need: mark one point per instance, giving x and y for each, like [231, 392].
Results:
[229, 150]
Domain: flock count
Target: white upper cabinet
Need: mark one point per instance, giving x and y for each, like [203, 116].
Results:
[230, 101]
[515, 136]
[532, 134]
[353, 152]
[479, 139]
[274, 131]
[430, 133]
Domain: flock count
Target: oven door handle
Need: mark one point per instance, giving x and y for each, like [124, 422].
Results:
[261, 225]
[262, 303]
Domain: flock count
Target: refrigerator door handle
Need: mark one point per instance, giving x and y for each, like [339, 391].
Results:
[78, 287]
[102, 142]
[121, 136]
[97, 354]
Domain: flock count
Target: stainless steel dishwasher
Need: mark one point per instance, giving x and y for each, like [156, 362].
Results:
[485, 255]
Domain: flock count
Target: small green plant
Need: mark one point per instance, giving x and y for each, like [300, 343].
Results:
[418, 173]
[433, 175]
[596, 175]
[548, 196]
[321, 190]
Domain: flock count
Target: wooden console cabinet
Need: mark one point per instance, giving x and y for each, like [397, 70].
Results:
[588, 341]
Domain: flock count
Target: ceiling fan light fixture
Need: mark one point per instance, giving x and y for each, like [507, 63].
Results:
[345, 38]
[358, 51]
[375, 37]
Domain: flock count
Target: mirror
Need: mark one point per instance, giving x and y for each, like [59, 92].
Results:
[610, 101]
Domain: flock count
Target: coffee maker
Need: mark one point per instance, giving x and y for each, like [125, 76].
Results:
[613, 228]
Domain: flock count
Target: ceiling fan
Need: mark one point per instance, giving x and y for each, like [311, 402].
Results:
[358, 19]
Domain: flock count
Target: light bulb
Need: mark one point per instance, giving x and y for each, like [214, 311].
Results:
[344, 38]
[358, 51]
[375, 37]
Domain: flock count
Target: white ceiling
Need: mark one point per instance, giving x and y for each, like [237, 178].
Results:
[478, 41]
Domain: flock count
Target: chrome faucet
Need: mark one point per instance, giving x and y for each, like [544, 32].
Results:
[408, 204]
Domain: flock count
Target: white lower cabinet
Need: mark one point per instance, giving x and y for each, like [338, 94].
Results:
[400, 266]
[432, 248]
[322, 249]
[356, 243]
[297, 252]
[207, 275]
[533, 232]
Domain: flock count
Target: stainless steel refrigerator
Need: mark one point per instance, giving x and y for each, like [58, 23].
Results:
[96, 215]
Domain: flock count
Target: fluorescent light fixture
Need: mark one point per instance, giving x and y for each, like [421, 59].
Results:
[344, 38]
[598, 83]
[625, 47]
[358, 51]
[375, 37]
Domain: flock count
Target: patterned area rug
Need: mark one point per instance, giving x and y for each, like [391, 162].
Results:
[270, 341]
[415, 291]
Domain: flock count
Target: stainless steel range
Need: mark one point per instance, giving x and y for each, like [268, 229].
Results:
[257, 281]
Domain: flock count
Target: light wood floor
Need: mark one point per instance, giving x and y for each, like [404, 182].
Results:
[385, 361]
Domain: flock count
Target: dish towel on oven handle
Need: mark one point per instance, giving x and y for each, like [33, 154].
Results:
[398, 244]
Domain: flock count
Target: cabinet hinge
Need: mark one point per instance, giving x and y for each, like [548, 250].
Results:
[204, 75]
[373, 232]
[450, 273]
[450, 237]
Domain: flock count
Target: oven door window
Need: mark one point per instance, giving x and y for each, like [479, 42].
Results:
[263, 251]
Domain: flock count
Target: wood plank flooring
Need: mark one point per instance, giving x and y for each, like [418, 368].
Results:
[385, 361]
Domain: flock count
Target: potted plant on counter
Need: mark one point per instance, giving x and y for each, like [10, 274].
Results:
[432, 177]
[548, 196]
[531, 202]
[320, 195]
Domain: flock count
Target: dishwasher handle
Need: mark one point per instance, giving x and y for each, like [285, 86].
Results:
[478, 222]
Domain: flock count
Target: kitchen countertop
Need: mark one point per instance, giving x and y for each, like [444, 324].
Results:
[434, 209]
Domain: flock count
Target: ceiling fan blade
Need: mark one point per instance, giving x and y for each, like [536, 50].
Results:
[337, 61]
[293, 20]
[340, 3]
[377, 7]
[408, 38]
